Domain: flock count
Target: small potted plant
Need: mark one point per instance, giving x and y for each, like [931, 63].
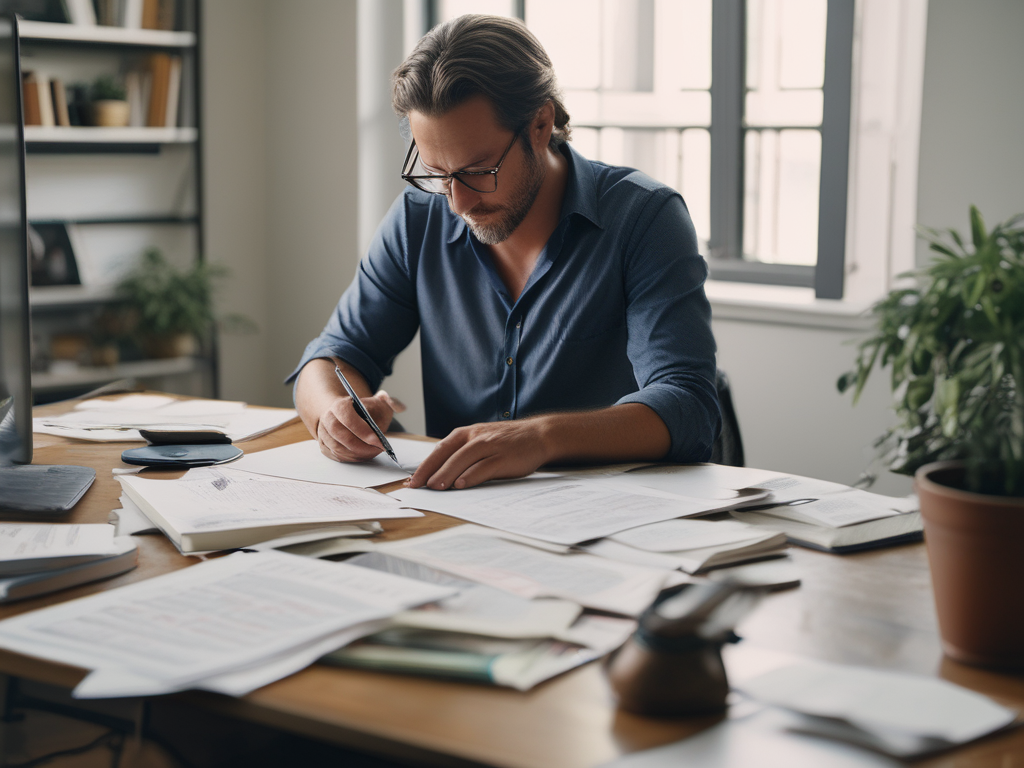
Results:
[955, 345]
[170, 310]
[109, 103]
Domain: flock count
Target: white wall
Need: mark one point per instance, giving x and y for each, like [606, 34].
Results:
[972, 127]
[282, 176]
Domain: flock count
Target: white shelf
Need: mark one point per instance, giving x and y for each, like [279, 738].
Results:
[93, 135]
[61, 295]
[84, 376]
[80, 33]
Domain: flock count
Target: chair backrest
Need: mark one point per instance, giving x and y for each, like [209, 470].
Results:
[728, 448]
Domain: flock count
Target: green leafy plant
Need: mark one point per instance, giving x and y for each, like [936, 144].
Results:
[108, 88]
[955, 345]
[162, 300]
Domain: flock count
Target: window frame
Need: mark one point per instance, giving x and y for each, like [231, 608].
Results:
[728, 90]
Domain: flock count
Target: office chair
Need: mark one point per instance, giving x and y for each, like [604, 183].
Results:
[728, 448]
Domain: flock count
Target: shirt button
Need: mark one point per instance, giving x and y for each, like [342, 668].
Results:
[508, 360]
[519, 324]
[506, 414]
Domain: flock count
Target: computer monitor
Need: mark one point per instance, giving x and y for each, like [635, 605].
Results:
[24, 487]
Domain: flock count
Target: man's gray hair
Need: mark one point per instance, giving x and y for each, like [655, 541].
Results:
[476, 55]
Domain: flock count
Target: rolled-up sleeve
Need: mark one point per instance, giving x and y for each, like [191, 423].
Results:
[376, 317]
[670, 346]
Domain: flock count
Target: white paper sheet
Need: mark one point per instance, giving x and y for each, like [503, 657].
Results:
[480, 555]
[477, 608]
[676, 535]
[304, 461]
[218, 498]
[210, 619]
[555, 509]
[696, 481]
[129, 520]
[24, 542]
[119, 420]
[872, 699]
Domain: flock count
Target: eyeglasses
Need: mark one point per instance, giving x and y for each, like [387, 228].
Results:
[478, 179]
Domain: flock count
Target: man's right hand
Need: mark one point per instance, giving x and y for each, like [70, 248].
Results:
[344, 436]
[328, 413]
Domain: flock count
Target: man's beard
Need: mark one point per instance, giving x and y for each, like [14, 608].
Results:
[511, 215]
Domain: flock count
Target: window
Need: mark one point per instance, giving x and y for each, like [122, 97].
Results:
[741, 105]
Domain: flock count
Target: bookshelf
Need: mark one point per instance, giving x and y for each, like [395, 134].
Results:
[116, 191]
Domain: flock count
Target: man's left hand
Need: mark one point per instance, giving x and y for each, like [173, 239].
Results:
[472, 455]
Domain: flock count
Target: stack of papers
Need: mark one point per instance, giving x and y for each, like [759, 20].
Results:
[39, 558]
[213, 508]
[531, 571]
[120, 419]
[831, 516]
[690, 545]
[564, 510]
[482, 633]
[229, 625]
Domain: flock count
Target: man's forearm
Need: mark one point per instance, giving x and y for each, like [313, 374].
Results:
[620, 433]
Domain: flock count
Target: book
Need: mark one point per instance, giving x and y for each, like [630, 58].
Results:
[151, 14]
[218, 508]
[34, 547]
[173, 93]
[30, 99]
[28, 585]
[45, 101]
[160, 74]
[885, 531]
[60, 102]
[80, 12]
[132, 14]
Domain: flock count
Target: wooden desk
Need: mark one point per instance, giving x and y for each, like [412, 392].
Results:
[871, 609]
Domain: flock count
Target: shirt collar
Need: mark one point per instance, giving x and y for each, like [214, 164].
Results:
[580, 193]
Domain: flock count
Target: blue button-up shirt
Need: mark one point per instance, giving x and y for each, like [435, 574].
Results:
[614, 311]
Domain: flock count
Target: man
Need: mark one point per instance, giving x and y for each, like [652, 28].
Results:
[560, 302]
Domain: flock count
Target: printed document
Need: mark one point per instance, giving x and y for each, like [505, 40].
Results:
[561, 510]
[120, 420]
[170, 632]
[29, 547]
[483, 556]
[304, 461]
[246, 509]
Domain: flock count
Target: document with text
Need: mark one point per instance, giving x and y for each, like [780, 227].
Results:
[484, 556]
[561, 510]
[172, 631]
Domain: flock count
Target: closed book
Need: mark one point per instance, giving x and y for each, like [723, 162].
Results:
[45, 101]
[60, 102]
[168, 14]
[80, 12]
[883, 532]
[151, 14]
[160, 73]
[30, 99]
[173, 93]
[133, 10]
[41, 583]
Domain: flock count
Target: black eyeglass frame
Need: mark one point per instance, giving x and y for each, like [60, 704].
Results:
[457, 175]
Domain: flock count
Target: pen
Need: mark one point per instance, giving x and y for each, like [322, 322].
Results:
[365, 414]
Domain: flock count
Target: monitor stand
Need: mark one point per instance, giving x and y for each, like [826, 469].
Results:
[42, 488]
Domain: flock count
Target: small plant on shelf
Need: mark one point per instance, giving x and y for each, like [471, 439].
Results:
[170, 310]
[109, 102]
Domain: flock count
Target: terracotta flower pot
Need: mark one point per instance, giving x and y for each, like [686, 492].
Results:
[975, 548]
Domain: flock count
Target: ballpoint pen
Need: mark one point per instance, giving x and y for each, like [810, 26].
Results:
[365, 414]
